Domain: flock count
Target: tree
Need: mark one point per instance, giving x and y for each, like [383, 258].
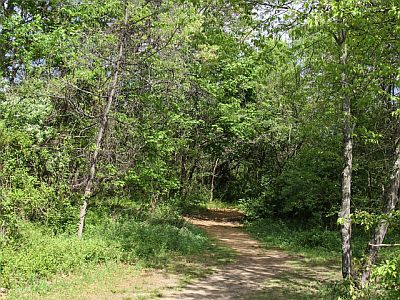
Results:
[111, 98]
[347, 66]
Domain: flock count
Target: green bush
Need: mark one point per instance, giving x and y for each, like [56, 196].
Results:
[39, 255]
[387, 275]
[256, 208]
[154, 241]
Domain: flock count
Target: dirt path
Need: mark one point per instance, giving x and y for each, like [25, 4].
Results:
[257, 273]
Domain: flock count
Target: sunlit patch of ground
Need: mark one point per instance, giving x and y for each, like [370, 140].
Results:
[257, 273]
[114, 281]
[240, 269]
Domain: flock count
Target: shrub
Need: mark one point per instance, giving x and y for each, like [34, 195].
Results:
[154, 240]
[39, 254]
[388, 275]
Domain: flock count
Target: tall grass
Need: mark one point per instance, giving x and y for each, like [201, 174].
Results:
[314, 242]
[323, 247]
[153, 240]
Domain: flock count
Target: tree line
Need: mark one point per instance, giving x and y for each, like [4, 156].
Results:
[289, 108]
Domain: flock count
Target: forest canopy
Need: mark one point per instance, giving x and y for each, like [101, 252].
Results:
[289, 109]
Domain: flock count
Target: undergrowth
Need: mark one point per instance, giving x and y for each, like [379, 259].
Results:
[315, 243]
[150, 241]
[322, 246]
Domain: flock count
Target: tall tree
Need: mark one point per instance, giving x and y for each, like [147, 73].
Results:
[382, 228]
[344, 213]
[111, 98]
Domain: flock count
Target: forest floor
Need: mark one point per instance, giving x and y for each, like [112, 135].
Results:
[244, 270]
[256, 273]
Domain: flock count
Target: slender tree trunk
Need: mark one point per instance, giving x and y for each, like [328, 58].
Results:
[182, 177]
[344, 214]
[101, 131]
[381, 229]
[213, 180]
[189, 182]
[369, 186]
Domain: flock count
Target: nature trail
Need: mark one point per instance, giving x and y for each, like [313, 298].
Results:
[256, 273]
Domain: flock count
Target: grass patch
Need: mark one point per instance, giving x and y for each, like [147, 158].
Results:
[217, 204]
[318, 244]
[204, 206]
[39, 262]
[319, 248]
[315, 243]
[96, 279]
[322, 247]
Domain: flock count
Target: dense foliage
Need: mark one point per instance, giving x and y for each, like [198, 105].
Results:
[149, 241]
[114, 109]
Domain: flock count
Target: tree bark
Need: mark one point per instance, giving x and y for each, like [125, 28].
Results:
[101, 131]
[344, 213]
[213, 180]
[183, 175]
[380, 231]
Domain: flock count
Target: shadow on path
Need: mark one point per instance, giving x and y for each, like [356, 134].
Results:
[257, 273]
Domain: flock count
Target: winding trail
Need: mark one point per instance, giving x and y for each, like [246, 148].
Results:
[257, 273]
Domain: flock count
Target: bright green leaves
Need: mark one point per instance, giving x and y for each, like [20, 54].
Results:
[31, 170]
[336, 15]
[92, 13]
[369, 136]
[388, 274]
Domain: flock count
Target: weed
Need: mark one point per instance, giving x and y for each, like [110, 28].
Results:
[153, 241]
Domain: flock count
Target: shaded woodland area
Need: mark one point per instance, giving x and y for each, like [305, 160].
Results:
[117, 117]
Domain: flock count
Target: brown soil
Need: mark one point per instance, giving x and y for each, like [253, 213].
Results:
[257, 273]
